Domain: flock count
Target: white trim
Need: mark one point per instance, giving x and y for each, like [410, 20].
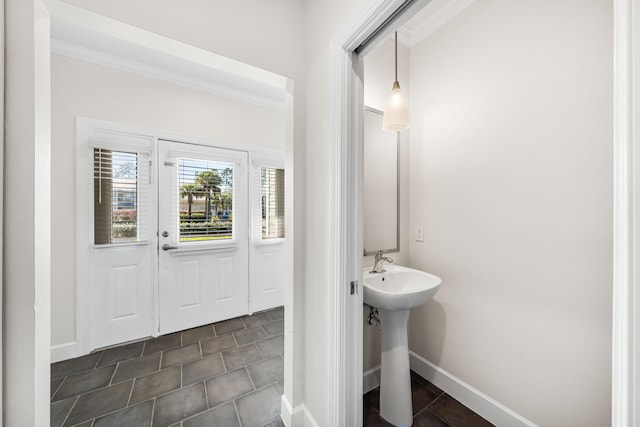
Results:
[236, 157]
[106, 127]
[295, 417]
[472, 398]
[2, 119]
[345, 317]
[269, 242]
[625, 352]
[81, 26]
[435, 20]
[81, 34]
[64, 351]
[371, 380]
[213, 86]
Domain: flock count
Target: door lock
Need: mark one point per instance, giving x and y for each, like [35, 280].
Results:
[165, 234]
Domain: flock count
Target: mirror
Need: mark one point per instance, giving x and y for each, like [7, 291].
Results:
[381, 203]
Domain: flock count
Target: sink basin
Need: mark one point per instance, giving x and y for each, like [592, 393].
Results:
[398, 288]
[394, 292]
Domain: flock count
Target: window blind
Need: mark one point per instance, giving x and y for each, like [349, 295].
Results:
[205, 194]
[272, 197]
[121, 184]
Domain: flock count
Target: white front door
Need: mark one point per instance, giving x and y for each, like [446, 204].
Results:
[203, 235]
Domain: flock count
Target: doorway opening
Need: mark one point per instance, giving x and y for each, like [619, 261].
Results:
[173, 235]
[346, 253]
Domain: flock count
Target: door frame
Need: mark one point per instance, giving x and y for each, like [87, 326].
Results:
[345, 329]
[625, 374]
[347, 104]
[84, 128]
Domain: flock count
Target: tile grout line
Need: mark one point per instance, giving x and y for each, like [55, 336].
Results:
[161, 359]
[235, 406]
[70, 410]
[259, 352]
[181, 377]
[224, 365]
[250, 379]
[98, 416]
[264, 330]
[51, 401]
[133, 384]
[206, 394]
[153, 412]
[98, 361]
[234, 339]
[113, 374]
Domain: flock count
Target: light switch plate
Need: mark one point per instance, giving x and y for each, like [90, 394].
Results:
[419, 233]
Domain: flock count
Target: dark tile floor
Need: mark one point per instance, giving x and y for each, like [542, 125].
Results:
[432, 407]
[225, 374]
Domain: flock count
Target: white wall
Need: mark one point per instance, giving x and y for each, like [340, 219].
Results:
[26, 212]
[511, 175]
[84, 89]
[378, 81]
[323, 20]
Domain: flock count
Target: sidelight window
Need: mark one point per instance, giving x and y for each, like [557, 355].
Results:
[118, 196]
[272, 198]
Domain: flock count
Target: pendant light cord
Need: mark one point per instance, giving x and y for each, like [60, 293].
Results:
[396, 54]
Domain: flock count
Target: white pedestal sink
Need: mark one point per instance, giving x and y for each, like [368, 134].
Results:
[394, 292]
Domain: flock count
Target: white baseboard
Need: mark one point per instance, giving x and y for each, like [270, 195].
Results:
[475, 400]
[64, 351]
[296, 417]
[371, 379]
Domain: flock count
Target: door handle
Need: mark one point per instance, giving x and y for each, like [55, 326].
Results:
[166, 247]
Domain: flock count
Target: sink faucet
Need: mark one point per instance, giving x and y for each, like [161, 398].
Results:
[379, 259]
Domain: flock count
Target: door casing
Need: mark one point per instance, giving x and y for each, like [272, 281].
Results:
[345, 343]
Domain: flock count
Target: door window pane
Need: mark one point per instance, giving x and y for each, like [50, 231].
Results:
[115, 184]
[272, 196]
[206, 200]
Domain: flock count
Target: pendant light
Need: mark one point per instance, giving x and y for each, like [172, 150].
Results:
[396, 113]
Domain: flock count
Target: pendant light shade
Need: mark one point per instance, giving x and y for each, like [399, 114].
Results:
[396, 112]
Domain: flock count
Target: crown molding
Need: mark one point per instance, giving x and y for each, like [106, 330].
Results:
[89, 37]
[435, 19]
[213, 86]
